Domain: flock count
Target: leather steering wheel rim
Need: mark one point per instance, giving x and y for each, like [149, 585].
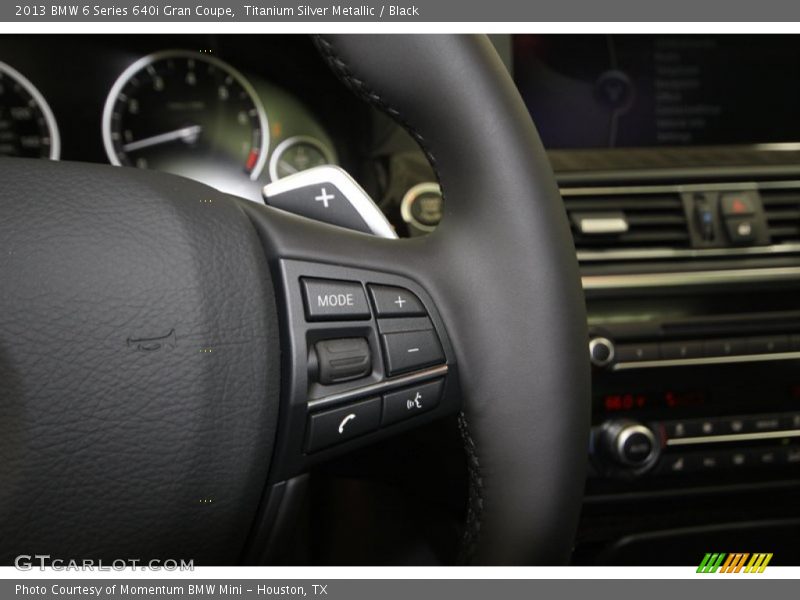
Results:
[526, 407]
[83, 410]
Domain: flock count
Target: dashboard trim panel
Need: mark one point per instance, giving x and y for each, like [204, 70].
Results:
[378, 388]
[734, 437]
[710, 360]
[690, 278]
[668, 253]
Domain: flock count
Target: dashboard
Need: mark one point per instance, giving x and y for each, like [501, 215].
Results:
[678, 158]
[234, 112]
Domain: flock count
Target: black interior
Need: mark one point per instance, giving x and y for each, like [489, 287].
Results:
[667, 294]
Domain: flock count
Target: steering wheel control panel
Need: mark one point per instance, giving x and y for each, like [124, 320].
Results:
[366, 356]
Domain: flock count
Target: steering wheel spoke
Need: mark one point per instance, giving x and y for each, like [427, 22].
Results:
[366, 355]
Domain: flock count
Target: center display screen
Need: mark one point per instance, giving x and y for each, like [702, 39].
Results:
[629, 91]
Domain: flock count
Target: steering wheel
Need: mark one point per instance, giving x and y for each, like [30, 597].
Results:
[159, 352]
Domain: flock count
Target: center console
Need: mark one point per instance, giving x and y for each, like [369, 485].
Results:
[694, 331]
[682, 188]
[692, 291]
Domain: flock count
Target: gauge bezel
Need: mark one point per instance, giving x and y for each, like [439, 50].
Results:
[44, 107]
[145, 61]
[426, 187]
[281, 148]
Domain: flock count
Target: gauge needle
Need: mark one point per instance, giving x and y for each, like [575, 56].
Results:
[187, 134]
[287, 166]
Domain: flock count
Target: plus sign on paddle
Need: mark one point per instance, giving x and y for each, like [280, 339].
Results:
[324, 197]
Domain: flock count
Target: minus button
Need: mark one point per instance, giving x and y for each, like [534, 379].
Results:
[411, 350]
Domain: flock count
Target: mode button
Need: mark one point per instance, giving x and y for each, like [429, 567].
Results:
[334, 300]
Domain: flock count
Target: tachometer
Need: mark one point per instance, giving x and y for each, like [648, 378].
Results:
[27, 126]
[186, 113]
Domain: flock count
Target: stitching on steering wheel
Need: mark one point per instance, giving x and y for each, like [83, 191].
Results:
[363, 90]
[475, 502]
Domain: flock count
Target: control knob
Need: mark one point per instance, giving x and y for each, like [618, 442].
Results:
[601, 351]
[628, 444]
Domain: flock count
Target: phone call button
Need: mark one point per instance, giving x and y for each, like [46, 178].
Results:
[333, 426]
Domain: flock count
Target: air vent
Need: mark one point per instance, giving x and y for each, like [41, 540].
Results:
[627, 221]
[782, 209]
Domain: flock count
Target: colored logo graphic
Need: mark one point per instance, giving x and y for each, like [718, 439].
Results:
[734, 563]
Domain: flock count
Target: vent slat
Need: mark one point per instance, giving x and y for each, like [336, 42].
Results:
[782, 210]
[654, 221]
[770, 198]
[638, 203]
[783, 215]
[787, 231]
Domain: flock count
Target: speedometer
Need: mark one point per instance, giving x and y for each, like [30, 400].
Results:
[27, 126]
[186, 113]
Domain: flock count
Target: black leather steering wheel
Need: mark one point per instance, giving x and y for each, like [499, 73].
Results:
[148, 350]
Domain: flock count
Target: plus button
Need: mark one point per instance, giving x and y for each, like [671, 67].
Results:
[324, 196]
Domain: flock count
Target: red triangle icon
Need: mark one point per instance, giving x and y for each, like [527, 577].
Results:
[738, 206]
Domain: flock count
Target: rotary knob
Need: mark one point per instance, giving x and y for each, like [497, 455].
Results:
[601, 351]
[629, 444]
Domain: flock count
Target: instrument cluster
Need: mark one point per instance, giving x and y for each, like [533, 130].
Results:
[179, 109]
